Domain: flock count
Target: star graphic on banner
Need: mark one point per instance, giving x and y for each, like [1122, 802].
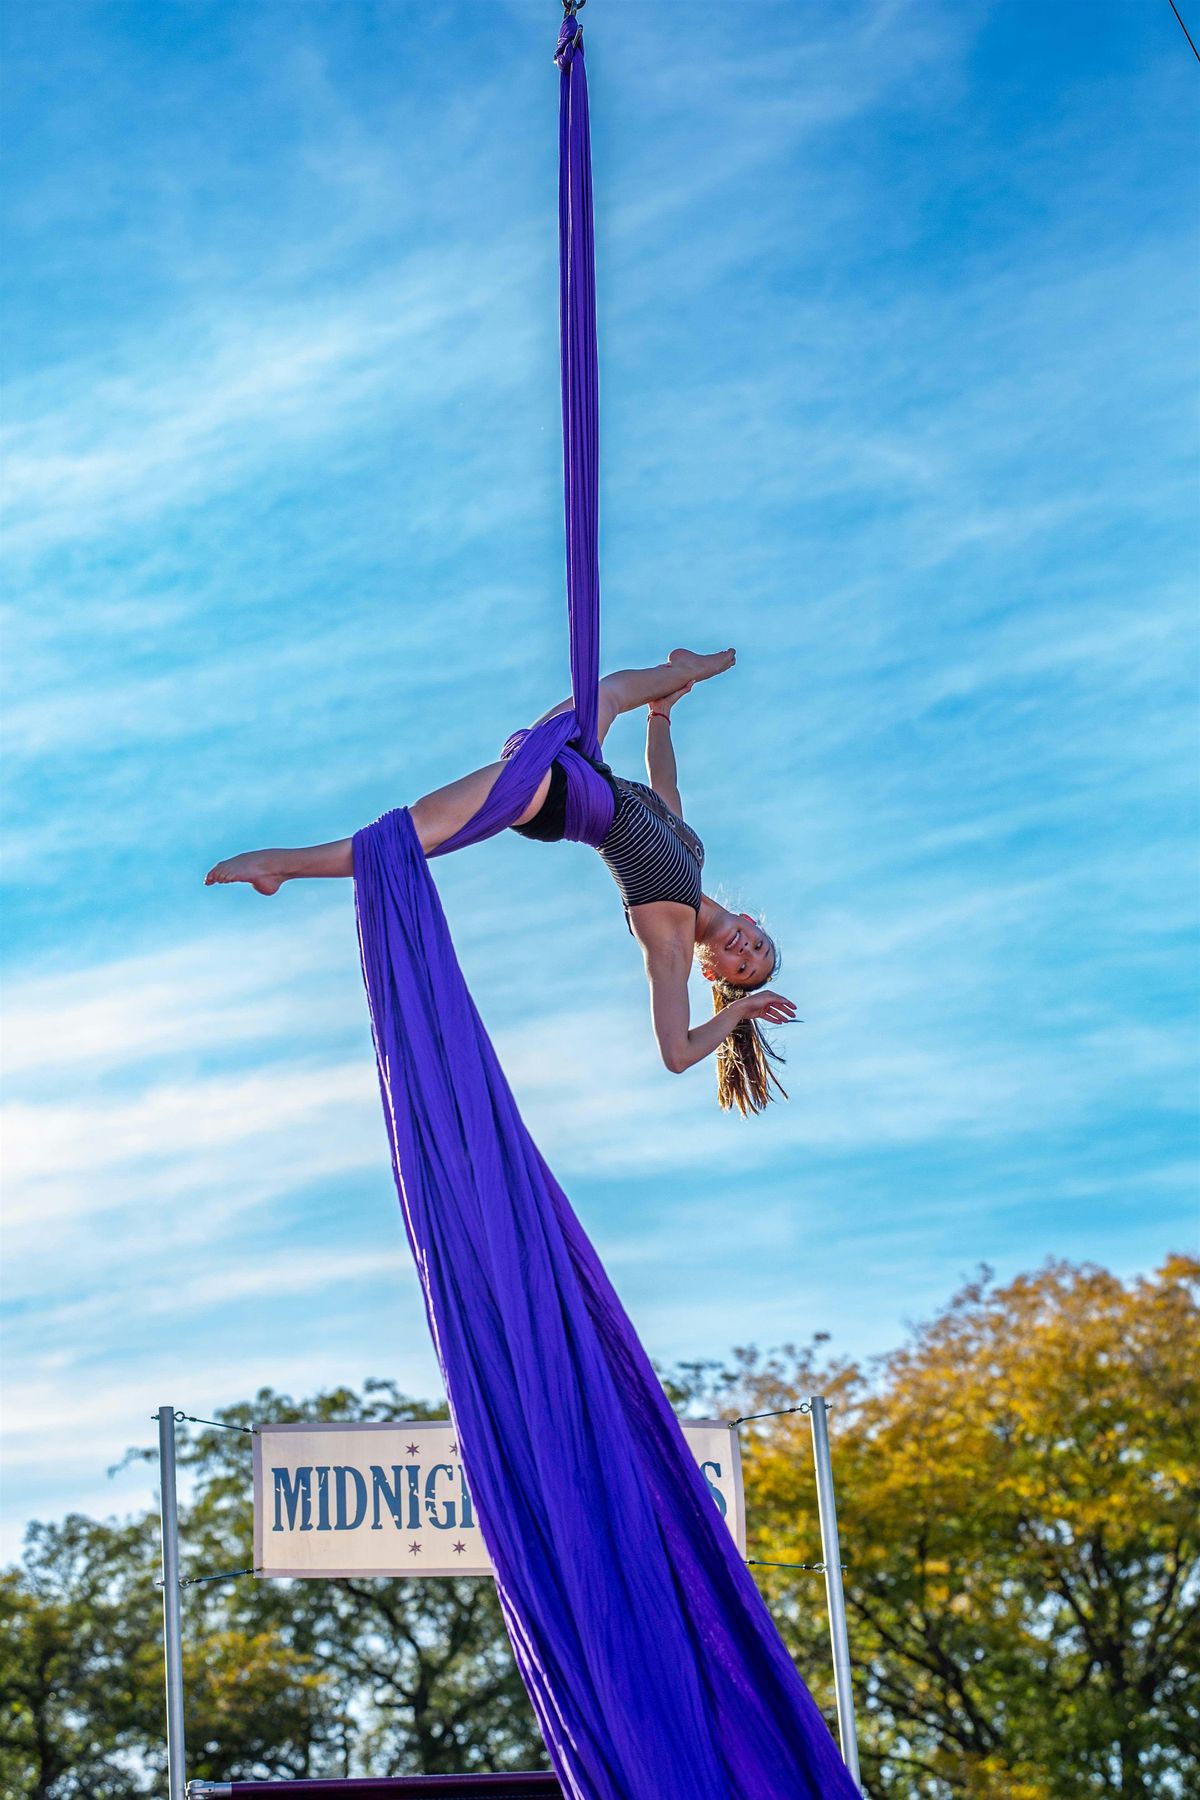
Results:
[453, 1448]
[412, 1450]
[459, 1548]
[414, 1549]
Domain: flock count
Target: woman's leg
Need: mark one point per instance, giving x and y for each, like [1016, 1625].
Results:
[439, 815]
[627, 689]
[267, 870]
[435, 816]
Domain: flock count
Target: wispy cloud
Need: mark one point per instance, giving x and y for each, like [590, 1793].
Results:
[895, 348]
[206, 407]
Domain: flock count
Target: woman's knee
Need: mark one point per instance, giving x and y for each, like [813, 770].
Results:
[614, 700]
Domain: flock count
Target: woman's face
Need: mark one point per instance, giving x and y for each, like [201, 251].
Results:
[738, 950]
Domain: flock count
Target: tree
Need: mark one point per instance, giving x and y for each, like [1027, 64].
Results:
[283, 1679]
[1017, 1489]
[1018, 1495]
[80, 1667]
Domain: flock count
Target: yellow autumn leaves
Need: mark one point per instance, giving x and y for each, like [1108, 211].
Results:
[1019, 1496]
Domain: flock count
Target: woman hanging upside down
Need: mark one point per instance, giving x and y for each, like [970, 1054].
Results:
[655, 860]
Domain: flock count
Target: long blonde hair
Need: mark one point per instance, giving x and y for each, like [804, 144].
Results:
[744, 1073]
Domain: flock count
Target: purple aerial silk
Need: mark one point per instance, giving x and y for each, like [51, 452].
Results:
[527, 756]
[580, 378]
[648, 1653]
[651, 1660]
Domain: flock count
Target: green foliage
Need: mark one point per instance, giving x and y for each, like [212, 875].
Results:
[1018, 1492]
[1018, 1489]
[282, 1679]
[80, 1666]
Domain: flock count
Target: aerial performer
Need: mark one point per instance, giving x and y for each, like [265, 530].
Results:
[654, 857]
[651, 1661]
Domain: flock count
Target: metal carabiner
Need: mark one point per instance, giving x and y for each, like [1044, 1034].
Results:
[571, 10]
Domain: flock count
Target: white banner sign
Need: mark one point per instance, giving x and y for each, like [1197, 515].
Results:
[392, 1499]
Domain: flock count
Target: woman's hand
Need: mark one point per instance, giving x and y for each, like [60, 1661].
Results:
[667, 702]
[764, 1004]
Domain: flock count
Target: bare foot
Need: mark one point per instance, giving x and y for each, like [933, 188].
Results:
[702, 668]
[258, 867]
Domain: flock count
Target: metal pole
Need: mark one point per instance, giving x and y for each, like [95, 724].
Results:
[172, 1622]
[835, 1598]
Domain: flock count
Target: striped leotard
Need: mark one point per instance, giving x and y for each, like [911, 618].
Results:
[650, 852]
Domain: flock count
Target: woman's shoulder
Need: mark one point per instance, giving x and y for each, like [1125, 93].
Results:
[652, 800]
[635, 791]
[665, 929]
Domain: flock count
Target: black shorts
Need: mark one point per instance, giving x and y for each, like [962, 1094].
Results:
[549, 824]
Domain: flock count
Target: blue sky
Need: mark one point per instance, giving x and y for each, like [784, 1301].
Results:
[898, 364]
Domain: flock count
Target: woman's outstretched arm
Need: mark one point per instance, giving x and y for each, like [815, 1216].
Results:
[682, 1044]
[660, 751]
[435, 818]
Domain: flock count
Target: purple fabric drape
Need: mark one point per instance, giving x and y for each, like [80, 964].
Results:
[580, 378]
[646, 1648]
[648, 1653]
[527, 756]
